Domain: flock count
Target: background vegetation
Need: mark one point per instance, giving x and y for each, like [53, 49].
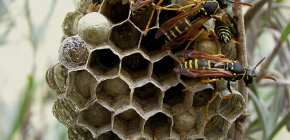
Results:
[30, 34]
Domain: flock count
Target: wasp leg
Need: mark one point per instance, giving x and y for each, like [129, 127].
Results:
[177, 9]
[235, 41]
[193, 38]
[183, 133]
[218, 17]
[94, 5]
[196, 1]
[229, 96]
[154, 135]
[215, 95]
[152, 13]
[206, 36]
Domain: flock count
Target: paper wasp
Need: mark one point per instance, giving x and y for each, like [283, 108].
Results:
[214, 67]
[224, 30]
[181, 27]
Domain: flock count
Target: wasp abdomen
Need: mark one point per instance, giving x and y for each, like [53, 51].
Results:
[197, 64]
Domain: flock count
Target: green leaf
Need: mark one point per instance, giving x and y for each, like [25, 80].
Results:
[279, 126]
[285, 34]
[261, 111]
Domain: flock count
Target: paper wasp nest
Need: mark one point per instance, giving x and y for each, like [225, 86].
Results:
[114, 83]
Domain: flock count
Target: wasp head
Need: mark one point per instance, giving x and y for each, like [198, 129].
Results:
[223, 4]
[249, 76]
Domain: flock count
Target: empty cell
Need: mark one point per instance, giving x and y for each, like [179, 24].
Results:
[135, 66]
[125, 36]
[166, 15]
[160, 124]
[150, 45]
[108, 136]
[95, 116]
[174, 95]
[115, 11]
[103, 61]
[128, 123]
[163, 70]
[148, 97]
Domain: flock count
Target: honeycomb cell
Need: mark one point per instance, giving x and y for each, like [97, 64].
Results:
[56, 77]
[201, 98]
[125, 36]
[73, 53]
[217, 128]
[115, 11]
[160, 124]
[233, 107]
[152, 46]
[135, 67]
[85, 83]
[94, 28]
[77, 132]
[128, 124]
[174, 95]
[148, 96]
[140, 19]
[108, 136]
[163, 71]
[70, 23]
[96, 118]
[65, 111]
[113, 92]
[184, 122]
[104, 62]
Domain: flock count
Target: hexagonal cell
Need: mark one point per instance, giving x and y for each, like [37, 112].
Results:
[233, 107]
[56, 77]
[174, 95]
[217, 128]
[141, 19]
[152, 46]
[115, 11]
[104, 62]
[148, 97]
[184, 122]
[135, 67]
[109, 136]
[128, 124]
[77, 132]
[163, 71]
[125, 36]
[201, 98]
[96, 118]
[160, 124]
[85, 84]
[114, 93]
[65, 111]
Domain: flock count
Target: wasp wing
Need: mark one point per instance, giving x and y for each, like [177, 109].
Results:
[181, 38]
[192, 54]
[214, 72]
[168, 25]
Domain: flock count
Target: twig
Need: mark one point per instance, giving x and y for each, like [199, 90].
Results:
[250, 14]
[242, 58]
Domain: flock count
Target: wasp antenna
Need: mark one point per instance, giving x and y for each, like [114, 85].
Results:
[254, 69]
[271, 78]
[238, 3]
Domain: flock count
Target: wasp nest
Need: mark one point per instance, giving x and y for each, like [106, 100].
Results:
[114, 83]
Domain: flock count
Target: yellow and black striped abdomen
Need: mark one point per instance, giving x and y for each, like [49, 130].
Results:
[224, 33]
[197, 64]
[177, 30]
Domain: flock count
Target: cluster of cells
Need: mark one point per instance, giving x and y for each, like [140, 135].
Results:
[112, 82]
